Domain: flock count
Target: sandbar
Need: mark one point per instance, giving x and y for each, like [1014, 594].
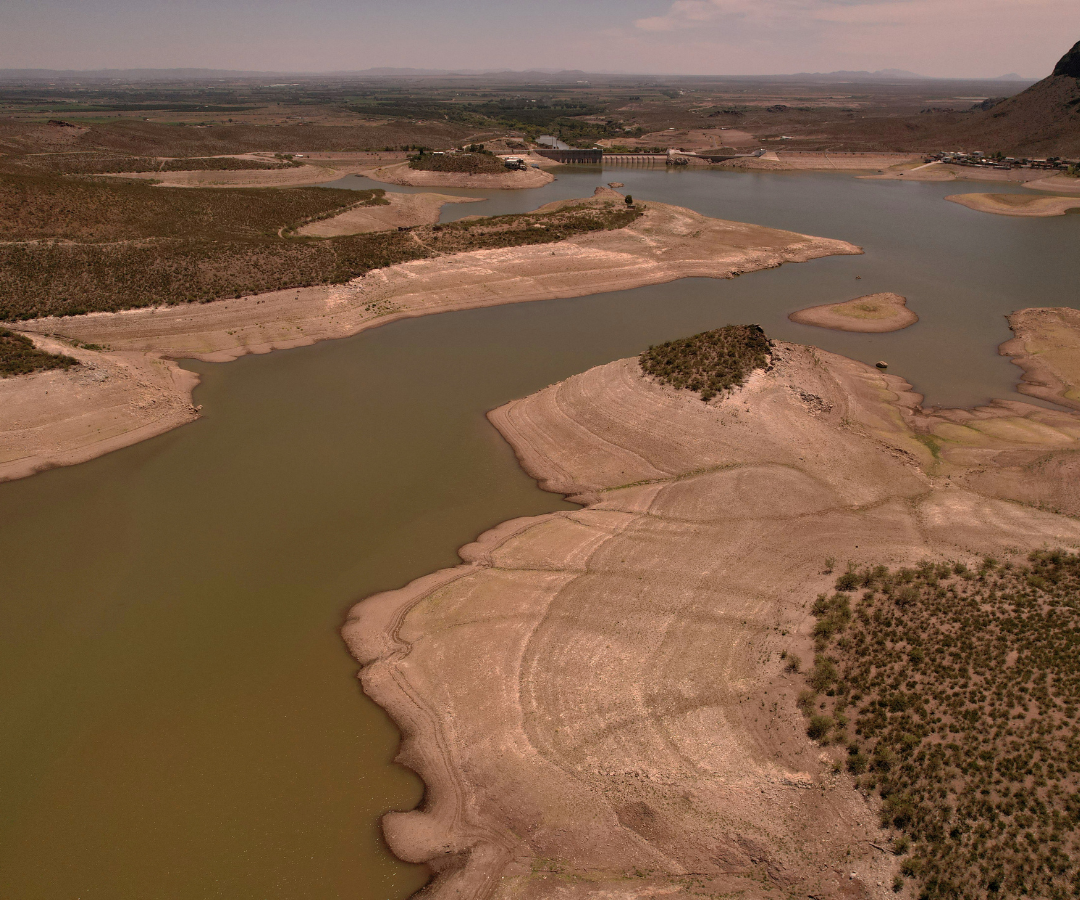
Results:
[400, 173]
[665, 244]
[873, 313]
[1017, 204]
[400, 211]
[1063, 184]
[596, 699]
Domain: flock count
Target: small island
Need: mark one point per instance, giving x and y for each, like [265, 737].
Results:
[873, 313]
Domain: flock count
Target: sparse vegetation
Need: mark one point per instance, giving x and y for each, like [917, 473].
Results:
[711, 362]
[109, 163]
[479, 162]
[957, 695]
[129, 245]
[19, 356]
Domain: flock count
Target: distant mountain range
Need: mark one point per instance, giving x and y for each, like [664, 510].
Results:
[396, 72]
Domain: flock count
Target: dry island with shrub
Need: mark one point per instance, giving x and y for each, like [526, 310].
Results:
[872, 314]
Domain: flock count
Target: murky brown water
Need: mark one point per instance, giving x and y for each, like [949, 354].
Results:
[180, 718]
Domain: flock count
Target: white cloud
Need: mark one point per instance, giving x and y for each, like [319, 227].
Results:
[688, 14]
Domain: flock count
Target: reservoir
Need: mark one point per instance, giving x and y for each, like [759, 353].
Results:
[181, 718]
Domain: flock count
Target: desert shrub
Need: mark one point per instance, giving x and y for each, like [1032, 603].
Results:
[709, 363]
[475, 163]
[965, 696]
[198, 246]
[118, 164]
[819, 727]
[19, 356]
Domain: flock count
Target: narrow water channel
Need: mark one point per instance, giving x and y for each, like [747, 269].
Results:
[181, 719]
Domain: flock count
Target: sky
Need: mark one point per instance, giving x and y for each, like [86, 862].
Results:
[945, 38]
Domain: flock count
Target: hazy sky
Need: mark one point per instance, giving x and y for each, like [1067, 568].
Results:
[932, 37]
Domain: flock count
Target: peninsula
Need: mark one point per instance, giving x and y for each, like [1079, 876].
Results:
[607, 700]
[129, 388]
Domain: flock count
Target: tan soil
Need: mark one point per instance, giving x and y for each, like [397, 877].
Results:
[400, 173]
[596, 699]
[693, 139]
[936, 171]
[664, 244]
[402, 211]
[1017, 204]
[874, 313]
[59, 418]
[795, 160]
[1061, 183]
[1047, 348]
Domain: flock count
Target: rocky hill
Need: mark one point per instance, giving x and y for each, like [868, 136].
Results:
[1044, 120]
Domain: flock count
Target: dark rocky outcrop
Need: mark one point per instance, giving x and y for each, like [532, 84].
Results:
[1069, 64]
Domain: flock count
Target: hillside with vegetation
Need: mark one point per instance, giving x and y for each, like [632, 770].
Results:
[709, 363]
[476, 161]
[19, 356]
[956, 694]
[69, 246]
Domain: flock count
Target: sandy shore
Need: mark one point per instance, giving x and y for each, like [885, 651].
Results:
[596, 699]
[665, 244]
[1017, 204]
[938, 171]
[112, 400]
[401, 211]
[1062, 184]
[874, 313]
[1047, 348]
[809, 161]
[400, 173]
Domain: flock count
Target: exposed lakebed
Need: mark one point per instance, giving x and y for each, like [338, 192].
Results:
[181, 719]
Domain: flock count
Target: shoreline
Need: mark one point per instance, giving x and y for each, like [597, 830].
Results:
[665, 244]
[1046, 347]
[1023, 205]
[550, 763]
[401, 174]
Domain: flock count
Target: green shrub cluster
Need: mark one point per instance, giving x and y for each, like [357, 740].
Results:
[19, 356]
[711, 362]
[957, 695]
[475, 163]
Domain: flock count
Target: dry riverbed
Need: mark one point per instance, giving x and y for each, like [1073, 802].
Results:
[664, 244]
[597, 700]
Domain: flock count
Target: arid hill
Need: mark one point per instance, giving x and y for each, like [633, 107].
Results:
[1044, 120]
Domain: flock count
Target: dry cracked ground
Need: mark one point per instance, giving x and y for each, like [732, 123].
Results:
[596, 699]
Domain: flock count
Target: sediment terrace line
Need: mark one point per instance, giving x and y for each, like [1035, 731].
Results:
[617, 725]
[666, 243]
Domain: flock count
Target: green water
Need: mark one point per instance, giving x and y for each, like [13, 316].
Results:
[180, 717]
